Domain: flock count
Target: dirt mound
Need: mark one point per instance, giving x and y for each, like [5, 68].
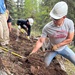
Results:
[34, 65]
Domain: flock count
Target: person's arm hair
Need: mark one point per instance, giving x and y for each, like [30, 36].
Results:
[39, 43]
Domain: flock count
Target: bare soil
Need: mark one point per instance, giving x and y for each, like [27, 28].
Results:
[33, 65]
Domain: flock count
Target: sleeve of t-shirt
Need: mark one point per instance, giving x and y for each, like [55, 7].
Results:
[71, 26]
[44, 32]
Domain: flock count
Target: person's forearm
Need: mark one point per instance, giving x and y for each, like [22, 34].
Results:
[29, 30]
[26, 30]
[65, 42]
[37, 46]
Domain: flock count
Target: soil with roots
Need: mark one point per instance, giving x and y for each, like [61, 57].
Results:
[33, 65]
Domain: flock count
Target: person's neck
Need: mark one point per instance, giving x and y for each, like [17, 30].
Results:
[60, 24]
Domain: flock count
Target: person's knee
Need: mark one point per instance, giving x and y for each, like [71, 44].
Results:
[73, 59]
[47, 63]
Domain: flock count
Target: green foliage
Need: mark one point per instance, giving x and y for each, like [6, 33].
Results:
[42, 17]
[70, 68]
[30, 8]
[37, 9]
[11, 6]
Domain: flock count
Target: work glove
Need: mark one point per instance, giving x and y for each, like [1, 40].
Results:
[54, 47]
[22, 30]
[19, 27]
[28, 37]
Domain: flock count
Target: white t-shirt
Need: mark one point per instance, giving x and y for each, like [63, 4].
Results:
[58, 34]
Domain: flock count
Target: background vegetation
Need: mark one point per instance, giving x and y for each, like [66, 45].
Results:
[37, 9]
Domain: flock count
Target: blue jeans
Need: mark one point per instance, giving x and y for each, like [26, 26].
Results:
[66, 52]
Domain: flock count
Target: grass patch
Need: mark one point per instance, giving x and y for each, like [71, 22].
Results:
[70, 67]
[35, 33]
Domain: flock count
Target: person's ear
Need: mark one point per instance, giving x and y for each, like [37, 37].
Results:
[64, 17]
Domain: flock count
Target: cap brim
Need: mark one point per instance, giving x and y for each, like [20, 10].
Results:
[54, 15]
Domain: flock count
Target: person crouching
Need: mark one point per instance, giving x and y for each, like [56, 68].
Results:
[24, 25]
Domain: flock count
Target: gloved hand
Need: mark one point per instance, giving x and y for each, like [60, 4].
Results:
[28, 37]
[55, 47]
[22, 30]
[19, 27]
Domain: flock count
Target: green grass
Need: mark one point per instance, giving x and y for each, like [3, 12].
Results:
[35, 32]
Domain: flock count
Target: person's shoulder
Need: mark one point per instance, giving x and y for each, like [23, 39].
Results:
[68, 20]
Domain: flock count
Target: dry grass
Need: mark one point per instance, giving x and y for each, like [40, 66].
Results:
[70, 68]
